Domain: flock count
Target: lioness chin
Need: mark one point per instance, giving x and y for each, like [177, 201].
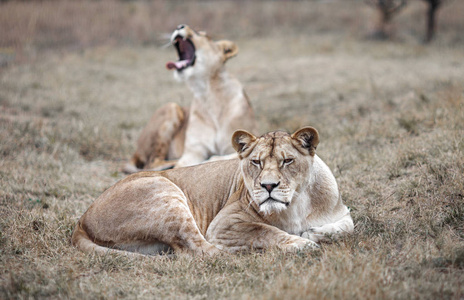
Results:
[278, 193]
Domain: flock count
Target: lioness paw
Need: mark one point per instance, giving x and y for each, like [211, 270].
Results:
[314, 234]
[316, 237]
[302, 243]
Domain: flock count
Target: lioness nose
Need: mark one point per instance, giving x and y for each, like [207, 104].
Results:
[269, 186]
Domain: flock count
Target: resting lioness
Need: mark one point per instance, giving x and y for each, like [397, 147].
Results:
[220, 106]
[279, 193]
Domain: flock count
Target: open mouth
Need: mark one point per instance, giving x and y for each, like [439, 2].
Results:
[185, 51]
[275, 200]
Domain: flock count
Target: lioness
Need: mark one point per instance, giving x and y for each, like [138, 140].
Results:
[279, 193]
[220, 106]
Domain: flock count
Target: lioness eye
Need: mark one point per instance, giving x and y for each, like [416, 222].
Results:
[256, 162]
[288, 161]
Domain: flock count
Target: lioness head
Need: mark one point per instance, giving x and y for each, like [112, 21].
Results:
[276, 166]
[198, 54]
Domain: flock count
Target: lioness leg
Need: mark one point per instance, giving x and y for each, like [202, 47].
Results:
[245, 236]
[238, 227]
[142, 212]
[331, 230]
[155, 139]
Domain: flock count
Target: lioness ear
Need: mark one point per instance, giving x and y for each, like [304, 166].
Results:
[229, 49]
[242, 142]
[306, 140]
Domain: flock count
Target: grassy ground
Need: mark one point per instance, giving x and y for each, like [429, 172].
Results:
[390, 116]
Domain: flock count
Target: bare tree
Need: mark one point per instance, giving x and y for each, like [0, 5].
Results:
[432, 10]
[387, 9]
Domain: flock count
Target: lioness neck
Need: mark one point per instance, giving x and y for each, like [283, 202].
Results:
[214, 88]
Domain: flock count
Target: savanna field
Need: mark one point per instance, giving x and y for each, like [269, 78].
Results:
[79, 80]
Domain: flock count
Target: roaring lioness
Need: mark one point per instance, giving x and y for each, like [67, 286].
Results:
[220, 106]
[279, 193]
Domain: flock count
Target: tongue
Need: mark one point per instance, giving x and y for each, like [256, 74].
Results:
[177, 65]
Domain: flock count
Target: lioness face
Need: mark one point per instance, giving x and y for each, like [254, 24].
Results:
[198, 54]
[275, 166]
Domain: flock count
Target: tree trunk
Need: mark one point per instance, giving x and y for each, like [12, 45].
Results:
[382, 31]
[431, 19]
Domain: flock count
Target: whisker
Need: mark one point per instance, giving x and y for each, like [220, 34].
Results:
[164, 46]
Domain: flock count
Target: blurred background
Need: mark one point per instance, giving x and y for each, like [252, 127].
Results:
[31, 28]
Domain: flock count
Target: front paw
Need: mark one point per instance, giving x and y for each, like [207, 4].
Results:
[300, 243]
[313, 235]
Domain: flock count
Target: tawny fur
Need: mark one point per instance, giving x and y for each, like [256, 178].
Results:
[278, 193]
[183, 137]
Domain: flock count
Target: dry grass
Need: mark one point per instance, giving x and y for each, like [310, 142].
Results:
[390, 115]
